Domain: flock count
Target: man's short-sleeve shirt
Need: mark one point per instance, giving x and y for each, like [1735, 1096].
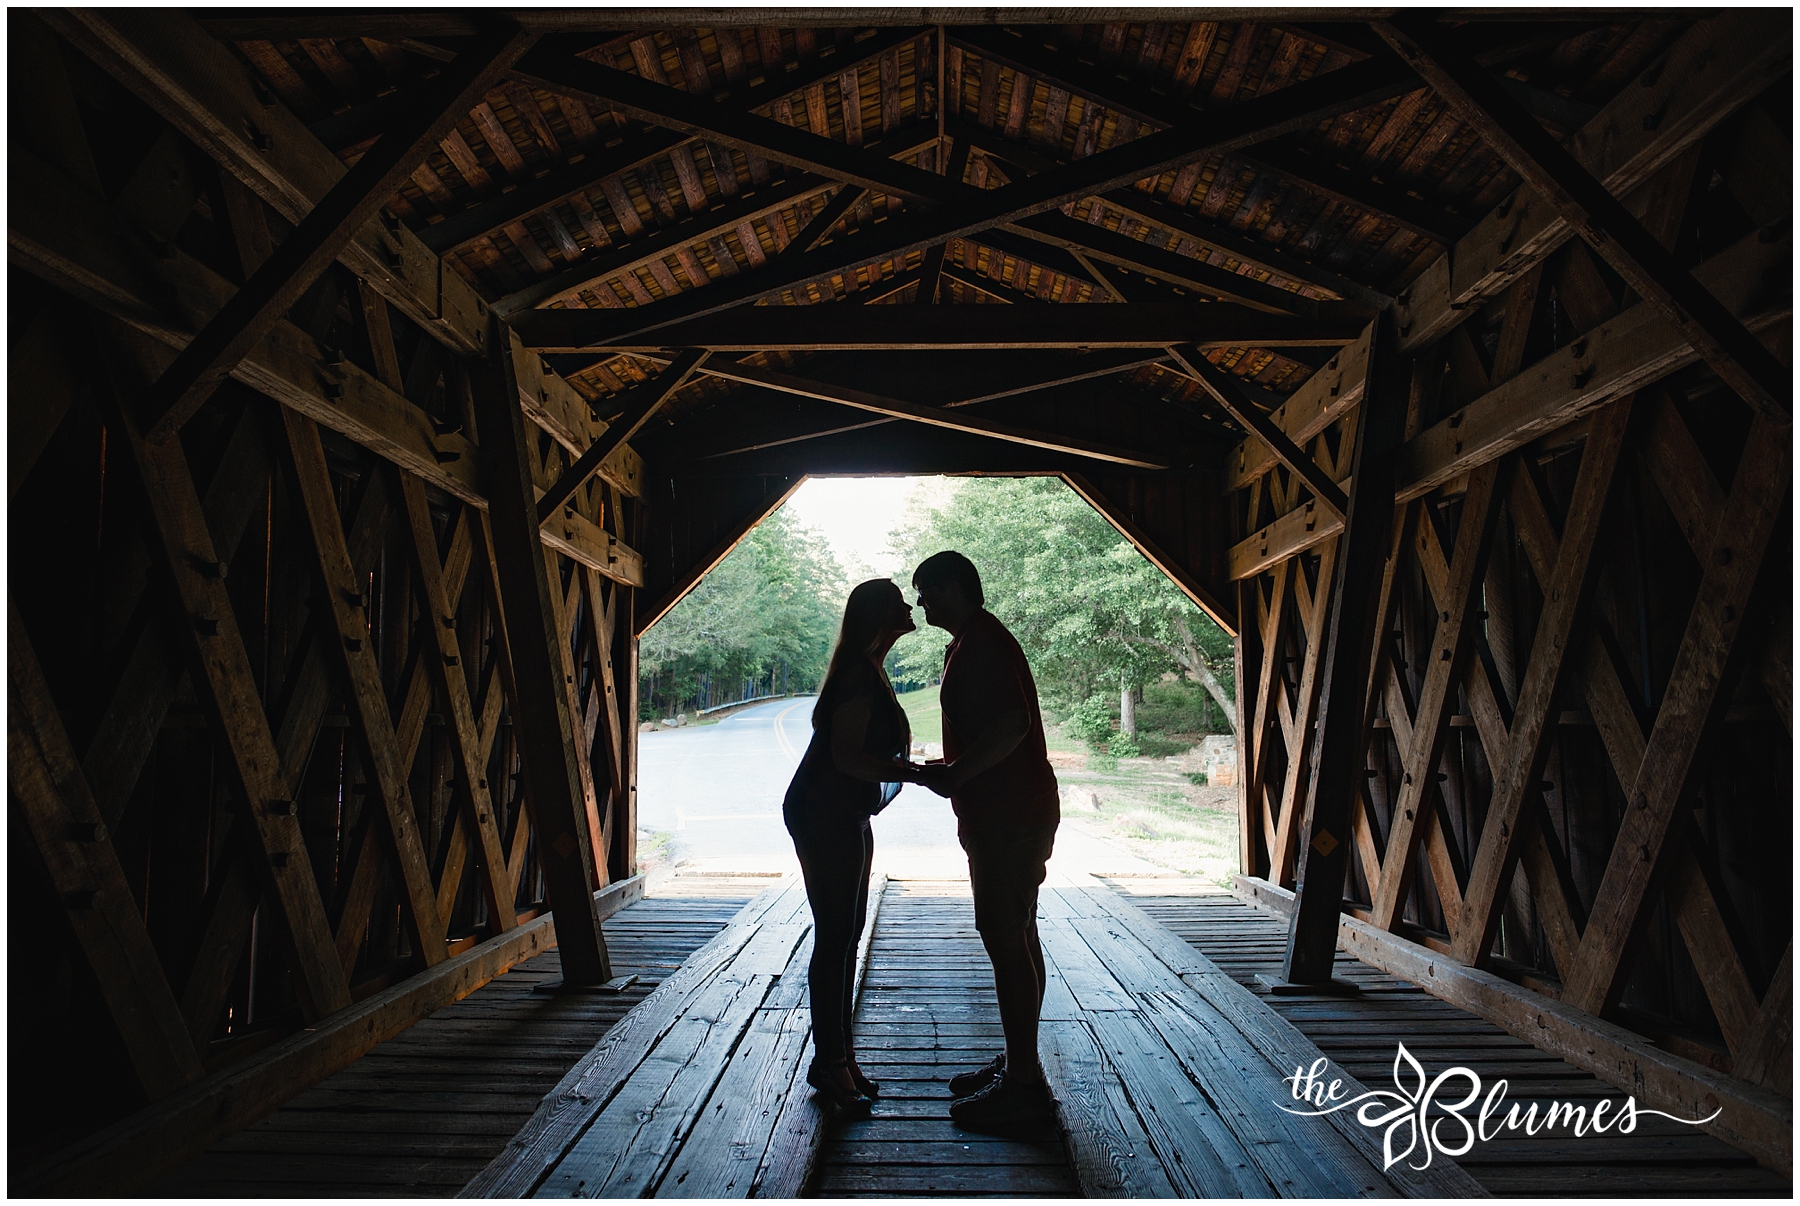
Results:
[986, 676]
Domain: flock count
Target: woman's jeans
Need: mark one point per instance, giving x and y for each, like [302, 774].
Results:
[834, 858]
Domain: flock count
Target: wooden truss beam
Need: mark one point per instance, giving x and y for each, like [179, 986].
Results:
[930, 415]
[733, 215]
[1697, 694]
[70, 840]
[1222, 387]
[346, 617]
[1355, 190]
[176, 530]
[1241, 247]
[1517, 775]
[1122, 519]
[929, 328]
[207, 94]
[553, 67]
[1063, 69]
[1287, 110]
[639, 405]
[469, 751]
[1322, 399]
[323, 234]
[689, 577]
[593, 270]
[1718, 65]
[151, 678]
[227, 926]
[1187, 272]
[71, 238]
[1451, 645]
[1637, 348]
[1598, 216]
[1024, 382]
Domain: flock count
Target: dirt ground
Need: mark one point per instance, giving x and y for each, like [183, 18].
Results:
[1154, 810]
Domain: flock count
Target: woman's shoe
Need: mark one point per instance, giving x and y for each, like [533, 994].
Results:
[850, 1101]
[868, 1087]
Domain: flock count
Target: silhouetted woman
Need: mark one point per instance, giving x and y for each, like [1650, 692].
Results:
[853, 767]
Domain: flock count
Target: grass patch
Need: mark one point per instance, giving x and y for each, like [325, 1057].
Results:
[1155, 745]
[1157, 812]
[653, 849]
[924, 714]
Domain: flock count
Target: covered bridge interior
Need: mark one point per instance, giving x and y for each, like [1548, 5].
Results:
[378, 378]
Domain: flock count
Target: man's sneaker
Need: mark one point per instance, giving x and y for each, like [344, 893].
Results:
[1007, 1107]
[965, 1083]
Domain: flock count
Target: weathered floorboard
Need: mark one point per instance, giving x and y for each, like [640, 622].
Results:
[1359, 1034]
[424, 1112]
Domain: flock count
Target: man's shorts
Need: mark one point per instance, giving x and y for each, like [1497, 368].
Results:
[1006, 865]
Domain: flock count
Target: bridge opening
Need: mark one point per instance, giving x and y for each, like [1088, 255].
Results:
[1133, 677]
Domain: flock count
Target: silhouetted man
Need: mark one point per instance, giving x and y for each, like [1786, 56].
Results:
[999, 781]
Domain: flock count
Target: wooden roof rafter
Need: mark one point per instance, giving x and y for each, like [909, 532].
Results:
[977, 210]
[674, 70]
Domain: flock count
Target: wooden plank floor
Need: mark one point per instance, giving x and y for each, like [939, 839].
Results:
[699, 1092]
[927, 1012]
[1660, 1159]
[425, 1111]
[1170, 1078]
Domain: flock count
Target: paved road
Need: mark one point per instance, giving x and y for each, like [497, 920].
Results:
[717, 791]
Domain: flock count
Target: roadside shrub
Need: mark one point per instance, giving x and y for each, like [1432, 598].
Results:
[1177, 707]
[1155, 745]
[1091, 721]
[1123, 745]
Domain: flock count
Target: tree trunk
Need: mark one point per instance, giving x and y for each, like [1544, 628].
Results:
[1203, 673]
[1198, 669]
[1127, 710]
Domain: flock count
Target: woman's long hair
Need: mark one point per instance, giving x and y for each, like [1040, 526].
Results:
[866, 613]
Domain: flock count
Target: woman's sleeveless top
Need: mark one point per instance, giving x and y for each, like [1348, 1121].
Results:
[822, 792]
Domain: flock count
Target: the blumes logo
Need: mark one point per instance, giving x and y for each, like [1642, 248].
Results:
[1424, 1118]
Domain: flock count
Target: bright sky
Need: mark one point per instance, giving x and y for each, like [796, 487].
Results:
[857, 513]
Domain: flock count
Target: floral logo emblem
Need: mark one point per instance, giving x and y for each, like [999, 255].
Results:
[1419, 1115]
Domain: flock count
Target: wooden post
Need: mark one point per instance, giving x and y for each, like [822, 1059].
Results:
[625, 643]
[1339, 746]
[543, 722]
[1248, 645]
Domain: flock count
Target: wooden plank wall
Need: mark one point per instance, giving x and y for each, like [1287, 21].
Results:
[262, 681]
[1579, 714]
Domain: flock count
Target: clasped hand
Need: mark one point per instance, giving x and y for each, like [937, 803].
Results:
[934, 776]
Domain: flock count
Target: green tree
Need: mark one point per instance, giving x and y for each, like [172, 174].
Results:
[765, 615]
[1091, 613]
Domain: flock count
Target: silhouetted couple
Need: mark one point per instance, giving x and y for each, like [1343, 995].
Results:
[998, 778]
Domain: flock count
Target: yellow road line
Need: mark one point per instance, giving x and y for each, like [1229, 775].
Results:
[781, 737]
